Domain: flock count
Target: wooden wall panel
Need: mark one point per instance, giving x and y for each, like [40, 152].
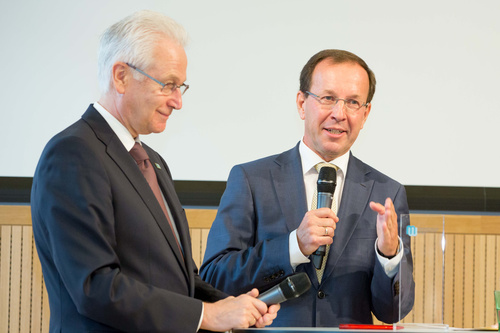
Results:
[26, 279]
[196, 245]
[468, 294]
[37, 291]
[15, 283]
[471, 269]
[478, 285]
[489, 280]
[429, 276]
[449, 277]
[204, 236]
[5, 258]
[417, 315]
[438, 279]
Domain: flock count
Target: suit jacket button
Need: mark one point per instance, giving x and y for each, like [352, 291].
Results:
[321, 294]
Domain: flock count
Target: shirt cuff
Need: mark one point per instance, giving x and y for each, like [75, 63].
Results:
[201, 317]
[390, 266]
[296, 256]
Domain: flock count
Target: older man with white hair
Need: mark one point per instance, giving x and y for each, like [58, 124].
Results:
[111, 234]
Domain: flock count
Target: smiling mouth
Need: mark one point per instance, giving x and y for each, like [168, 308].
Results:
[334, 131]
[163, 114]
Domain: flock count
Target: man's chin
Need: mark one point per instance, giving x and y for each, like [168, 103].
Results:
[332, 151]
[159, 128]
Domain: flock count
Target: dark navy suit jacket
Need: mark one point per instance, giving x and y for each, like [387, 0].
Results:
[109, 258]
[248, 243]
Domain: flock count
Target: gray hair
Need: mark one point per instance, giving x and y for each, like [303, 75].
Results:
[133, 40]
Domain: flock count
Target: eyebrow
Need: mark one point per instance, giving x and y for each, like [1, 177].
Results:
[169, 78]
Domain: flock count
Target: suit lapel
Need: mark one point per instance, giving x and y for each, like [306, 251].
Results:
[126, 163]
[288, 181]
[356, 193]
[175, 206]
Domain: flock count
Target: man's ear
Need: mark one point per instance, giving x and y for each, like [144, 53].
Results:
[301, 98]
[120, 76]
[366, 113]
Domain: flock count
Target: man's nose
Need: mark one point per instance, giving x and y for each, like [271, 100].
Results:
[175, 100]
[338, 110]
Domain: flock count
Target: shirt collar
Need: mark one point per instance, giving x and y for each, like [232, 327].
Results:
[121, 131]
[310, 159]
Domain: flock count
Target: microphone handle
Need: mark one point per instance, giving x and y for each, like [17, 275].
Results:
[272, 296]
[324, 200]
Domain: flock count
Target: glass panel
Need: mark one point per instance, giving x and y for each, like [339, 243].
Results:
[428, 246]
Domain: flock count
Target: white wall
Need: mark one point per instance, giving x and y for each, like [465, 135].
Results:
[435, 114]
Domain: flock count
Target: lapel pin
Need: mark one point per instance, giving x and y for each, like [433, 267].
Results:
[158, 166]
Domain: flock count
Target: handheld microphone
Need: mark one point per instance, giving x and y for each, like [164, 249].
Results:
[327, 181]
[291, 287]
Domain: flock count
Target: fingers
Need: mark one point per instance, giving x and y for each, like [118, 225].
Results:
[253, 293]
[387, 227]
[252, 308]
[256, 318]
[324, 213]
[386, 209]
[317, 228]
[376, 207]
[236, 312]
[268, 314]
[267, 319]
[258, 308]
[273, 309]
[391, 213]
[328, 232]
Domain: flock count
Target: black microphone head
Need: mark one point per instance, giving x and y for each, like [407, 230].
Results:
[295, 285]
[327, 180]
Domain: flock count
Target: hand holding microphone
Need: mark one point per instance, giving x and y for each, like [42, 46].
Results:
[291, 287]
[327, 181]
[318, 225]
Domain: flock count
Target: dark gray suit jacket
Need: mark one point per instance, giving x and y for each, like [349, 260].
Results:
[248, 243]
[109, 258]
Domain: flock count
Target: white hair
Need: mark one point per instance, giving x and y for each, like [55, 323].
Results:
[133, 40]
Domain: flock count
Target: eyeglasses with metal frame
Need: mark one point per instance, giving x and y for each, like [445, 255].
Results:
[350, 104]
[166, 88]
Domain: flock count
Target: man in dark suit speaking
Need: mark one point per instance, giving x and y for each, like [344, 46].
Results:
[268, 226]
[110, 232]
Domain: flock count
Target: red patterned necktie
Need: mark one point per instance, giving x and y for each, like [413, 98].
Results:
[144, 164]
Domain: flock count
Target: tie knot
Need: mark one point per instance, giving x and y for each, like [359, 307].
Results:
[326, 165]
[139, 153]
